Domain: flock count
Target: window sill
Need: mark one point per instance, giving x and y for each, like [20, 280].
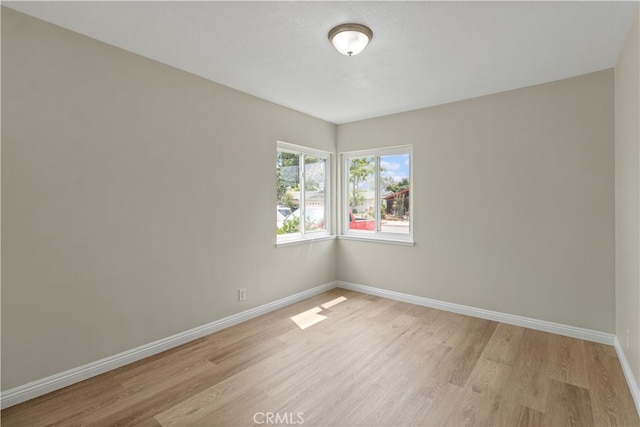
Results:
[378, 240]
[304, 240]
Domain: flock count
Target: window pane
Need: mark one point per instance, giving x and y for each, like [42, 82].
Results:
[314, 193]
[394, 193]
[288, 182]
[362, 196]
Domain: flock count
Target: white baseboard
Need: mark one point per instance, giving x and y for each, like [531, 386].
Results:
[526, 322]
[540, 325]
[55, 382]
[628, 374]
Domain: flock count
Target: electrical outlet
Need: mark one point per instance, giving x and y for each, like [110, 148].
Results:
[628, 340]
[242, 294]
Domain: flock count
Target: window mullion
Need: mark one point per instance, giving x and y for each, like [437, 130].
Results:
[301, 209]
[344, 205]
[378, 201]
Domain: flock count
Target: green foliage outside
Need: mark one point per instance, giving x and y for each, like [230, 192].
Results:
[287, 200]
[400, 209]
[290, 225]
[360, 170]
[399, 206]
[287, 173]
[397, 186]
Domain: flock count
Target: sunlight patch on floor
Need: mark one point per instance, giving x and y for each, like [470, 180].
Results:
[333, 302]
[313, 316]
[308, 318]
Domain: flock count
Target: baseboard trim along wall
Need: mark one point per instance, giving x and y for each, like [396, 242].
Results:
[526, 322]
[55, 382]
[628, 374]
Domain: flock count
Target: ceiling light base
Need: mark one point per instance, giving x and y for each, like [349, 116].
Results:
[350, 39]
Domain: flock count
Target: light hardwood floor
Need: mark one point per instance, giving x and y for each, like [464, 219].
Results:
[369, 362]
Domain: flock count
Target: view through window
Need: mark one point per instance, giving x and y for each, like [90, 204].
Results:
[378, 192]
[302, 192]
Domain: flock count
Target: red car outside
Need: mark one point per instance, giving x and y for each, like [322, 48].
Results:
[355, 223]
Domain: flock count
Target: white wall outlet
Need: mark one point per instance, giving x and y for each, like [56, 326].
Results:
[628, 340]
[242, 294]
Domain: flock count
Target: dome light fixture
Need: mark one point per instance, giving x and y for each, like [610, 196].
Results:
[350, 39]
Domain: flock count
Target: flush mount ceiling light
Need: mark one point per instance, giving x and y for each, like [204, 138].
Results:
[350, 39]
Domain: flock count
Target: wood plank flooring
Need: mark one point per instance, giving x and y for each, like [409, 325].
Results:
[359, 360]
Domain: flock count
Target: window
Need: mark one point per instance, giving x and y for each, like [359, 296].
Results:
[377, 194]
[303, 197]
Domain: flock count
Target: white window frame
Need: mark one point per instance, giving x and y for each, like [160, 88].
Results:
[376, 235]
[304, 236]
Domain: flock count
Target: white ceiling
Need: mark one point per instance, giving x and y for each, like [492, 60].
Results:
[422, 53]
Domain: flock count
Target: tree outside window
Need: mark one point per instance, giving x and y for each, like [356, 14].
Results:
[378, 192]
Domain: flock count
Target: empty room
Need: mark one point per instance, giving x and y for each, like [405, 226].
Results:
[316, 213]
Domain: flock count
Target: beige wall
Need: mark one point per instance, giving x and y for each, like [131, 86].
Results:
[133, 200]
[513, 203]
[627, 161]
